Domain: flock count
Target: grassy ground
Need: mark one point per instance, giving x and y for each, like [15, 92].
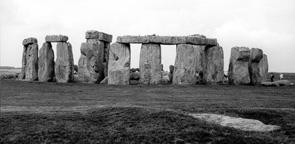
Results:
[87, 113]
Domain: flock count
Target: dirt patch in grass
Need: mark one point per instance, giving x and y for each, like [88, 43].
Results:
[120, 125]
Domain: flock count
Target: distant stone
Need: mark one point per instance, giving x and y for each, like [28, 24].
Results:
[30, 40]
[263, 68]
[256, 55]
[56, 38]
[30, 63]
[46, 63]
[150, 64]
[187, 64]
[214, 63]
[135, 75]
[198, 35]
[119, 64]
[64, 65]
[91, 69]
[237, 123]
[106, 58]
[93, 34]
[238, 71]
[167, 40]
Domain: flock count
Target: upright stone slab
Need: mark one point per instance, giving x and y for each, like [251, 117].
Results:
[263, 68]
[256, 55]
[187, 64]
[46, 63]
[214, 64]
[90, 64]
[64, 65]
[30, 60]
[150, 64]
[238, 71]
[106, 58]
[119, 64]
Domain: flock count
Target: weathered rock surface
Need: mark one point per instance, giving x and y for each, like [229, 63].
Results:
[64, 65]
[119, 64]
[30, 63]
[214, 64]
[263, 68]
[90, 65]
[237, 123]
[168, 40]
[93, 34]
[256, 55]
[46, 63]
[56, 38]
[187, 64]
[150, 64]
[238, 71]
[30, 40]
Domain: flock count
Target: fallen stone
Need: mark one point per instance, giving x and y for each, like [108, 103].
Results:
[167, 40]
[214, 63]
[64, 65]
[237, 123]
[56, 38]
[238, 71]
[284, 83]
[263, 68]
[270, 84]
[90, 65]
[119, 64]
[256, 55]
[30, 40]
[46, 63]
[93, 34]
[187, 64]
[30, 63]
[150, 64]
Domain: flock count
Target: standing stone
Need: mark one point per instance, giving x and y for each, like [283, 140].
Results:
[119, 64]
[91, 62]
[150, 64]
[106, 58]
[64, 65]
[214, 64]
[46, 63]
[187, 64]
[263, 68]
[238, 71]
[30, 60]
[256, 55]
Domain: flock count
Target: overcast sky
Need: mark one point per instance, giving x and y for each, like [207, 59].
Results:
[265, 24]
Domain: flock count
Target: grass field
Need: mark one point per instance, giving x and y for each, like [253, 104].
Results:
[36, 112]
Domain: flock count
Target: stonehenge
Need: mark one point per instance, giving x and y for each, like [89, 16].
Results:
[29, 70]
[199, 60]
[93, 61]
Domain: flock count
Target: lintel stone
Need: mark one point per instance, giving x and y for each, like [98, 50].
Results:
[93, 34]
[30, 40]
[56, 38]
[168, 40]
